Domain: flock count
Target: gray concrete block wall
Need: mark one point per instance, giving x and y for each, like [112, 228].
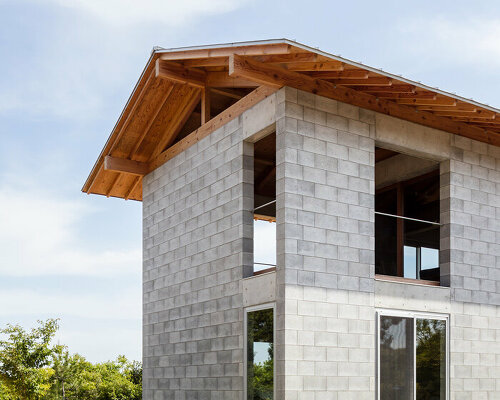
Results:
[197, 249]
[325, 233]
[197, 245]
[470, 251]
[474, 252]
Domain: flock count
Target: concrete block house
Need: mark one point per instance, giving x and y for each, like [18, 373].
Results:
[384, 196]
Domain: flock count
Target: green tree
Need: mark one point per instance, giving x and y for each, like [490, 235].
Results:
[112, 380]
[24, 360]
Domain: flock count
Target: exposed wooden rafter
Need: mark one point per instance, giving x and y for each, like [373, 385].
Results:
[177, 73]
[270, 74]
[223, 118]
[172, 98]
[126, 166]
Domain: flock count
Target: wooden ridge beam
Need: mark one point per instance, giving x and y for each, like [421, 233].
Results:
[126, 166]
[250, 50]
[272, 75]
[177, 73]
[215, 123]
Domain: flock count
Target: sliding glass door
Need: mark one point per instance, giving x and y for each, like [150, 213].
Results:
[412, 356]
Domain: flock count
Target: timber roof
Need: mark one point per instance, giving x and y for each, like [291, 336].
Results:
[184, 94]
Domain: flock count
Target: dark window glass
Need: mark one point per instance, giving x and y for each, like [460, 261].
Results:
[431, 359]
[386, 245]
[260, 346]
[386, 262]
[421, 198]
[396, 358]
[417, 241]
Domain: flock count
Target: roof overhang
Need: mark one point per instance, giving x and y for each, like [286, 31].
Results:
[172, 105]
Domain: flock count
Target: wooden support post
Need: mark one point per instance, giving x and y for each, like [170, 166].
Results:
[205, 106]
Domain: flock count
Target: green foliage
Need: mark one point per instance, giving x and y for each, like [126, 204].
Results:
[430, 359]
[25, 358]
[32, 369]
[263, 380]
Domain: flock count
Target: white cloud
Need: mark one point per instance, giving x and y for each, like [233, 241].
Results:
[103, 305]
[474, 41]
[170, 12]
[38, 236]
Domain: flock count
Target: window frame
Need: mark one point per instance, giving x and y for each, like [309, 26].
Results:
[400, 218]
[246, 310]
[414, 315]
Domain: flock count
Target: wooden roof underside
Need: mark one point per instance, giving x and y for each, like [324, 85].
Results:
[183, 95]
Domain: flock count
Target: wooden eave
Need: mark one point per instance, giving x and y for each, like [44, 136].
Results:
[185, 94]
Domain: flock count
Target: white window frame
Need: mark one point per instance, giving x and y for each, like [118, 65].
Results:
[415, 315]
[260, 307]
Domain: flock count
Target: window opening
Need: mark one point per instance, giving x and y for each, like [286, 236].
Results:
[265, 204]
[260, 354]
[407, 211]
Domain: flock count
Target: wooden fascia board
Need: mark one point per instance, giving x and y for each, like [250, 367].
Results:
[126, 166]
[265, 74]
[215, 123]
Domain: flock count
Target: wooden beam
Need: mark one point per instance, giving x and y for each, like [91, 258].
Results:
[228, 93]
[465, 113]
[439, 107]
[427, 102]
[223, 80]
[288, 58]
[205, 106]
[272, 75]
[125, 166]
[410, 97]
[349, 74]
[250, 50]
[132, 187]
[206, 62]
[177, 73]
[387, 89]
[372, 81]
[316, 66]
[215, 123]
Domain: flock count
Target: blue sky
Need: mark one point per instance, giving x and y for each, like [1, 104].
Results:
[68, 67]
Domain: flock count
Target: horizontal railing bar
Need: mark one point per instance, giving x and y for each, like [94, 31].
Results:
[408, 218]
[264, 205]
[271, 265]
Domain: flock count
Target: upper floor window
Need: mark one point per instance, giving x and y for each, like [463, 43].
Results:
[264, 234]
[407, 211]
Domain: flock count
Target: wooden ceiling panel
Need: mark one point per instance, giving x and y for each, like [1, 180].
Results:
[166, 117]
[143, 114]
